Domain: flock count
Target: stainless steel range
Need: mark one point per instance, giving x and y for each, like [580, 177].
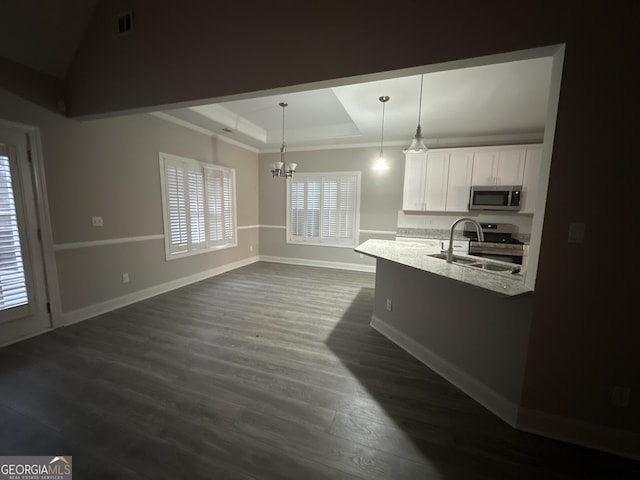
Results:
[499, 243]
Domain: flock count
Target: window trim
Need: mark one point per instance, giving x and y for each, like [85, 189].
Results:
[320, 175]
[194, 165]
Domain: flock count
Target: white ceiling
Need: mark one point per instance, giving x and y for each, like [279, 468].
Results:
[505, 102]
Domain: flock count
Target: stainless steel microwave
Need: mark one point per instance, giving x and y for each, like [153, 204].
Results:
[495, 197]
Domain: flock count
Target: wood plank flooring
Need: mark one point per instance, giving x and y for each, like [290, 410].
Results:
[266, 372]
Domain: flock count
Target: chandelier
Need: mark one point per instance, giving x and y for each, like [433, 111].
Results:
[278, 169]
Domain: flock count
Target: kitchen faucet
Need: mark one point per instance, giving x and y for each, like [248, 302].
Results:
[453, 226]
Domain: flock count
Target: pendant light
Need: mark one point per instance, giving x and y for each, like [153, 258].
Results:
[277, 169]
[417, 144]
[381, 164]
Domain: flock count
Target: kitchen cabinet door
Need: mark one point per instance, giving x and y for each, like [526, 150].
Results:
[498, 167]
[415, 172]
[459, 181]
[532, 164]
[510, 167]
[436, 180]
[484, 167]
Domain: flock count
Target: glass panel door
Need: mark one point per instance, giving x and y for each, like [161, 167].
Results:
[13, 283]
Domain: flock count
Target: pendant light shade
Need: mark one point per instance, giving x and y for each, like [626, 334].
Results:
[381, 164]
[417, 144]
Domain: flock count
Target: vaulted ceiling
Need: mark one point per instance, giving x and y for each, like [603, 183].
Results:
[503, 102]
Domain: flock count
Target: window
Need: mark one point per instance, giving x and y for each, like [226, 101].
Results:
[324, 209]
[198, 201]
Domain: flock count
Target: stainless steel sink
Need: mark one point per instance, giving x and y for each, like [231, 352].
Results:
[456, 259]
[483, 265]
[495, 267]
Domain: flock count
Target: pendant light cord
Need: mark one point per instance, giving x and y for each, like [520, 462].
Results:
[384, 100]
[382, 130]
[283, 147]
[420, 104]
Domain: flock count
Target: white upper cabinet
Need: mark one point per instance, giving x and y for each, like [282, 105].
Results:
[415, 171]
[533, 161]
[510, 169]
[425, 181]
[484, 168]
[440, 180]
[498, 167]
[436, 182]
[459, 184]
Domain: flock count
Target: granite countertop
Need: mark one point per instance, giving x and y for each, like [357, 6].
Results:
[416, 255]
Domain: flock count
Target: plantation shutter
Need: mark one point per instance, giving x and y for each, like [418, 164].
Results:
[297, 208]
[227, 201]
[196, 209]
[177, 209]
[323, 208]
[199, 206]
[220, 210]
[347, 214]
[13, 286]
[313, 209]
[329, 207]
[214, 205]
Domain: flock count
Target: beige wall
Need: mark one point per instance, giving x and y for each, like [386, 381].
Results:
[110, 168]
[380, 200]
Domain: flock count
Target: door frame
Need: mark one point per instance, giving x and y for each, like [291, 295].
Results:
[34, 147]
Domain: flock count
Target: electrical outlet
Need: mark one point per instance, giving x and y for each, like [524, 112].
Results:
[620, 396]
[389, 305]
[251, 248]
[125, 278]
[97, 221]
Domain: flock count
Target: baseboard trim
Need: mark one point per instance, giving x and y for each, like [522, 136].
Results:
[490, 399]
[570, 430]
[75, 316]
[26, 337]
[319, 263]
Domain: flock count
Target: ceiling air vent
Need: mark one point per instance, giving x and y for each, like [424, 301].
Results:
[122, 24]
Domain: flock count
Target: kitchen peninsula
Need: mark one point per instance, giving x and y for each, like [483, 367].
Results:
[469, 325]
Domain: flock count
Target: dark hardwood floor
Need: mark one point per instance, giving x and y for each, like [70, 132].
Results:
[266, 372]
